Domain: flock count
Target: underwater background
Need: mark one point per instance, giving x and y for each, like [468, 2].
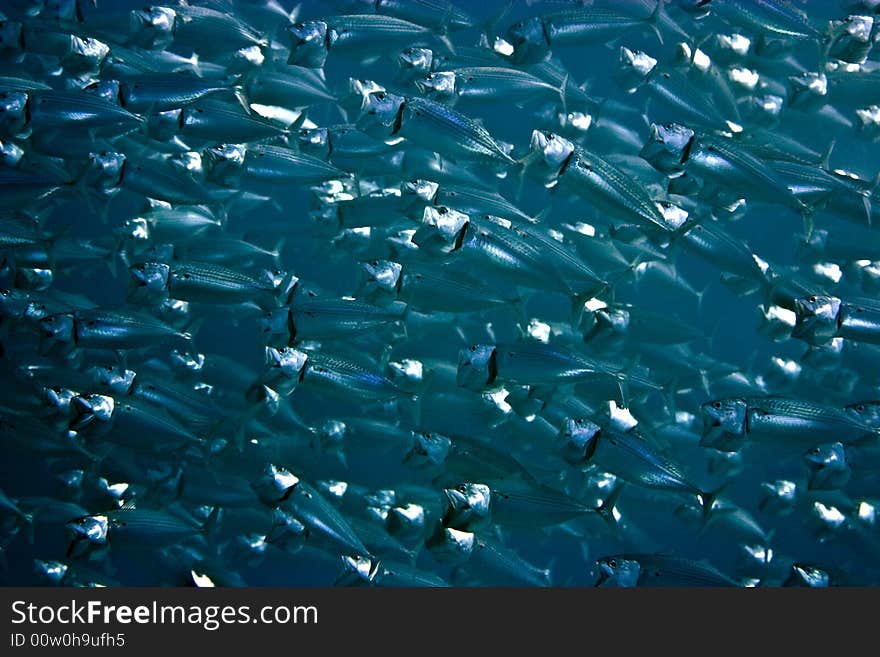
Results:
[283, 306]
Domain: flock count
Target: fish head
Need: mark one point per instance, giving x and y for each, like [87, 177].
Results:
[634, 68]
[668, 147]
[807, 89]
[149, 280]
[224, 163]
[164, 126]
[381, 114]
[827, 465]
[529, 40]
[356, 571]
[851, 39]
[10, 37]
[14, 303]
[91, 408]
[153, 27]
[34, 278]
[438, 86]
[104, 170]
[428, 450]
[13, 112]
[275, 485]
[826, 455]
[314, 141]
[614, 320]
[286, 364]
[51, 571]
[93, 529]
[697, 7]
[477, 367]
[59, 327]
[288, 533]
[416, 193]
[778, 497]
[725, 423]
[817, 318]
[111, 377]
[309, 44]
[10, 155]
[618, 571]
[467, 506]
[332, 433]
[382, 276]
[551, 152]
[57, 400]
[807, 575]
[85, 54]
[416, 60]
[109, 90]
[407, 522]
[277, 326]
[449, 545]
[866, 412]
[407, 374]
[443, 229]
[578, 438]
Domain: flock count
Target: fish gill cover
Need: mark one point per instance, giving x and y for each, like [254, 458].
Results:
[422, 293]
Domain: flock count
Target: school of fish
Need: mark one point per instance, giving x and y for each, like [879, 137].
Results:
[423, 293]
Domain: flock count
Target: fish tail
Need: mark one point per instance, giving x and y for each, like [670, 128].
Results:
[28, 519]
[209, 527]
[707, 501]
[654, 19]
[608, 507]
[238, 92]
[562, 94]
[276, 251]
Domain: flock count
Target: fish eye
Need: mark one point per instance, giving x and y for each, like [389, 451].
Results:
[380, 95]
[716, 404]
[613, 563]
[860, 407]
[812, 299]
[860, 310]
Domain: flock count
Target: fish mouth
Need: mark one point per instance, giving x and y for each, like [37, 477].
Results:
[605, 573]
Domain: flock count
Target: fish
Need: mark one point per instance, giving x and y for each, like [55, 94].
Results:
[659, 570]
[532, 38]
[109, 329]
[728, 423]
[137, 528]
[430, 124]
[312, 41]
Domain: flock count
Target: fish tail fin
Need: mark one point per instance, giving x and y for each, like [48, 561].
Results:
[195, 64]
[653, 21]
[707, 501]
[238, 92]
[826, 158]
[276, 251]
[562, 94]
[490, 26]
[28, 519]
[209, 527]
[607, 508]
[447, 42]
